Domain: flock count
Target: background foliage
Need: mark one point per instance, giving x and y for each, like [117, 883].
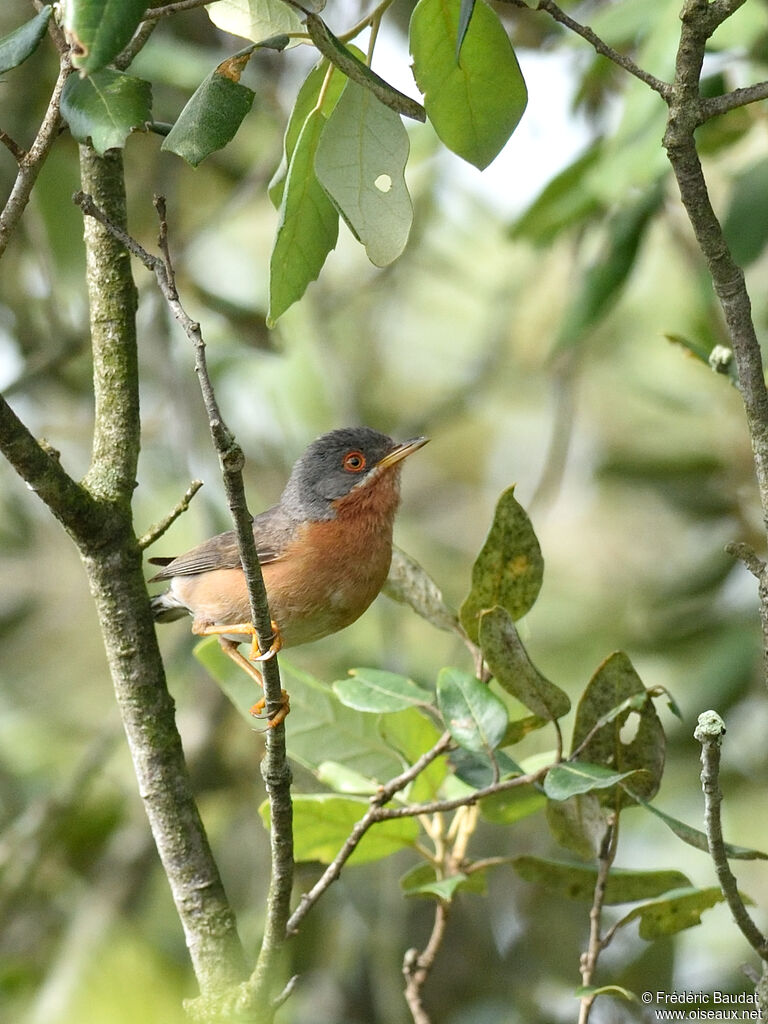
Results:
[533, 319]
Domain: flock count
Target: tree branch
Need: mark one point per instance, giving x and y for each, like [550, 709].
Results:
[709, 732]
[594, 40]
[417, 966]
[154, 533]
[713, 106]
[33, 159]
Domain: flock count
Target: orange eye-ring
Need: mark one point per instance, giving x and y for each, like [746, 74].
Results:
[354, 462]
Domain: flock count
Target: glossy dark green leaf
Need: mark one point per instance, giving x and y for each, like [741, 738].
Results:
[360, 163]
[23, 41]
[105, 108]
[473, 715]
[577, 881]
[632, 739]
[372, 689]
[308, 227]
[673, 911]
[322, 823]
[605, 278]
[358, 71]
[99, 29]
[509, 569]
[212, 114]
[474, 101]
[696, 838]
[572, 778]
[509, 662]
[480, 770]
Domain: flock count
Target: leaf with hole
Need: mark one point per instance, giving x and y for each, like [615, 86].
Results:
[476, 97]
[360, 162]
[615, 684]
[105, 108]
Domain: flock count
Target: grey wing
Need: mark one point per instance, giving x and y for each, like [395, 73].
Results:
[271, 532]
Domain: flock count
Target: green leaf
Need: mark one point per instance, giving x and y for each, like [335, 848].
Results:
[308, 226]
[465, 16]
[360, 162]
[322, 824]
[254, 19]
[410, 584]
[577, 881]
[23, 41]
[606, 990]
[477, 770]
[612, 684]
[307, 99]
[577, 824]
[511, 805]
[213, 113]
[474, 716]
[320, 728]
[357, 71]
[412, 734]
[694, 837]
[100, 29]
[570, 779]
[603, 281]
[562, 203]
[343, 779]
[519, 728]
[105, 108]
[509, 569]
[673, 911]
[745, 225]
[423, 881]
[371, 689]
[476, 101]
[509, 662]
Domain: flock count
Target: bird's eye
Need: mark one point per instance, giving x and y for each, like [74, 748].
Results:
[354, 462]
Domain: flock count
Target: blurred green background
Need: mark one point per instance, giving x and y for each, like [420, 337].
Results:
[631, 456]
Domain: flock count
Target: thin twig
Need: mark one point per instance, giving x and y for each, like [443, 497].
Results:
[154, 13]
[17, 152]
[384, 794]
[709, 732]
[275, 768]
[590, 957]
[713, 106]
[32, 162]
[749, 557]
[154, 533]
[622, 60]
[417, 966]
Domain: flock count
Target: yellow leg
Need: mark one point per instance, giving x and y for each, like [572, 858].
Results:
[230, 649]
[246, 629]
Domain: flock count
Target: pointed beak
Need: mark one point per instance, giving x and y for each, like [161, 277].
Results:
[402, 451]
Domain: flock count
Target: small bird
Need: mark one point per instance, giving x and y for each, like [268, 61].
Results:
[325, 549]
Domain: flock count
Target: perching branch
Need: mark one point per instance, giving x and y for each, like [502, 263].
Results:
[255, 995]
[709, 732]
[596, 942]
[417, 966]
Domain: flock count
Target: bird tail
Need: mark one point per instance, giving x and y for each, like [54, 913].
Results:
[166, 607]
